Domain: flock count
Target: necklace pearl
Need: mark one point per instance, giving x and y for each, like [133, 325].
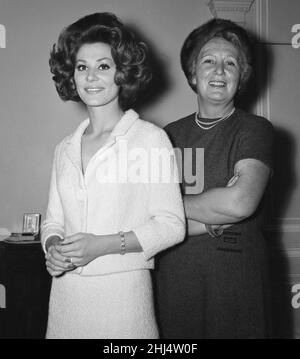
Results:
[208, 126]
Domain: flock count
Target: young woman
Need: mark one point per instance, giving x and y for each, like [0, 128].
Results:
[105, 222]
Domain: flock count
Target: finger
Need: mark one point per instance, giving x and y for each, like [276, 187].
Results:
[54, 273]
[63, 262]
[69, 248]
[61, 265]
[56, 269]
[232, 180]
[71, 239]
[57, 263]
[75, 255]
[52, 250]
[54, 266]
[216, 226]
[56, 254]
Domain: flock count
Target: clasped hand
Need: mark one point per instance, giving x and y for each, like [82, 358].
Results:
[74, 251]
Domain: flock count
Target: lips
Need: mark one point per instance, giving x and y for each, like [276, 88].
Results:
[217, 84]
[93, 90]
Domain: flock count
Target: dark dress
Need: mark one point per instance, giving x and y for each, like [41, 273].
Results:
[218, 287]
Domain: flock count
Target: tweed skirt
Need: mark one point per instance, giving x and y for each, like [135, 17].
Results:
[118, 305]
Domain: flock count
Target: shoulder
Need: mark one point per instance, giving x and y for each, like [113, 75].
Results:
[255, 138]
[62, 144]
[179, 124]
[147, 135]
[148, 130]
[75, 136]
[65, 140]
[179, 130]
[147, 127]
[249, 121]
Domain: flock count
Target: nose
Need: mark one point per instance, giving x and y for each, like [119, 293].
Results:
[91, 75]
[220, 68]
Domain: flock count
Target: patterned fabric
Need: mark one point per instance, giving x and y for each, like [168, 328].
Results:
[88, 203]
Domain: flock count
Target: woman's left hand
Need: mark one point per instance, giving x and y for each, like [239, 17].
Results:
[81, 247]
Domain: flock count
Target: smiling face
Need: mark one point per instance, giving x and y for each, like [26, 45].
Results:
[217, 73]
[94, 75]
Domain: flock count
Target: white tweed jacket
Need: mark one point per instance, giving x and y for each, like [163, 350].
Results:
[121, 190]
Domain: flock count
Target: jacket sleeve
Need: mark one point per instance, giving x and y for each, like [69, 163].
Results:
[54, 222]
[166, 224]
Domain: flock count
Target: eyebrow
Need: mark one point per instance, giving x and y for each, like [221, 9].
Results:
[208, 53]
[98, 60]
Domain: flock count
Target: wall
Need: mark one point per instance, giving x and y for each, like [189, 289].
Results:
[282, 106]
[278, 76]
[32, 117]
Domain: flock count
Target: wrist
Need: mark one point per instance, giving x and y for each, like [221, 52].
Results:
[114, 243]
[214, 231]
[107, 244]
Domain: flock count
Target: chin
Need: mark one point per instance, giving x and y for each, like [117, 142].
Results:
[219, 98]
[93, 102]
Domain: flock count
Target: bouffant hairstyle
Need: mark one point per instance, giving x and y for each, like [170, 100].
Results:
[217, 28]
[130, 56]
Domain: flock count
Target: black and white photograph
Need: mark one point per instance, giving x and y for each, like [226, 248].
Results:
[150, 148]
[31, 223]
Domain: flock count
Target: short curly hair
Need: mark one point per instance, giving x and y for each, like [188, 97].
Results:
[217, 28]
[133, 71]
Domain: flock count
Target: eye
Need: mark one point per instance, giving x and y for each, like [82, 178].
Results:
[208, 61]
[103, 67]
[231, 62]
[81, 67]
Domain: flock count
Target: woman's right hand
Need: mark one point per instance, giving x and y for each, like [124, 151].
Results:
[55, 262]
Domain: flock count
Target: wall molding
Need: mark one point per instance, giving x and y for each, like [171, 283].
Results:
[263, 107]
[2, 37]
[282, 227]
[288, 253]
[234, 10]
[288, 243]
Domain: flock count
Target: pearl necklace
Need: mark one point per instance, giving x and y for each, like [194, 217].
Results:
[208, 126]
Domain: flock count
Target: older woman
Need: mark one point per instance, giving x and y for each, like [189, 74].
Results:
[104, 222]
[213, 285]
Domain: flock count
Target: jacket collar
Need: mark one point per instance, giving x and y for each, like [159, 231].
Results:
[73, 148]
[125, 123]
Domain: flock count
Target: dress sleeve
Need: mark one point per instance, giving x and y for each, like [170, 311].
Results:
[256, 141]
[166, 224]
[53, 225]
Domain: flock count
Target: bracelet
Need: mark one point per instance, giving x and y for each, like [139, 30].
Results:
[123, 243]
[214, 232]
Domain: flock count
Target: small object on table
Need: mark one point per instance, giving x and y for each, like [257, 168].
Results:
[31, 223]
[20, 238]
